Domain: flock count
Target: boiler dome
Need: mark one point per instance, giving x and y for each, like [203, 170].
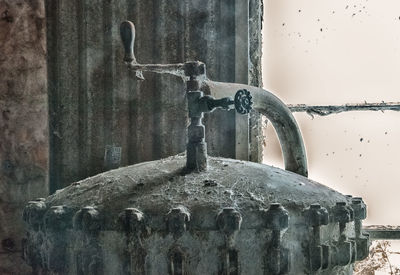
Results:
[156, 218]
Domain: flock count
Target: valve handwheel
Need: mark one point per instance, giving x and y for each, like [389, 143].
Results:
[243, 101]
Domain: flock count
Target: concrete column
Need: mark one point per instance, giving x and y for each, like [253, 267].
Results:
[23, 122]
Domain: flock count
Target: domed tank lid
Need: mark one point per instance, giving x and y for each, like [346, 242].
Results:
[156, 187]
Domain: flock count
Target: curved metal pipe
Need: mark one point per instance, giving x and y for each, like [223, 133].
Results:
[273, 108]
[289, 135]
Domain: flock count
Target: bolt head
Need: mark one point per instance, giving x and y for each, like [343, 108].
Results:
[351, 212]
[359, 208]
[277, 217]
[88, 219]
[58, 218]
[316, 215]
[341, 213]
[130, 220]
[177, 221]
[229, 220]
[33, 213]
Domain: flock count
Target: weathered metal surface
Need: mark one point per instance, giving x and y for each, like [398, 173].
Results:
[343, 248]
[277, 258]
[153, 218]
[193, 73]
[383, 232]
[325, 110]
[361, 238]
[198, 104]
[275, 110]
[316, 216]
[23, 122]
[94, 102]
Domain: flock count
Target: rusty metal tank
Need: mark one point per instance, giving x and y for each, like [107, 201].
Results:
[195, 214]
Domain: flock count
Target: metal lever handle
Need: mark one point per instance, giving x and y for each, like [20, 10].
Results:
[223, 103]
[127, 31]
[243, 102]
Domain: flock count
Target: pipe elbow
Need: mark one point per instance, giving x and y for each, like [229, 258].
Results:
[282, 119]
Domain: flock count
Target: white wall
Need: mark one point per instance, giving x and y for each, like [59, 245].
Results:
[337, 52]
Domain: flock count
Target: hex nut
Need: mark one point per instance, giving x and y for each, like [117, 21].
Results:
[33, 213]
[229, 220]
[177, 221]
[87, 219]
[277, 217]
[359, 208]
[131, 220]
[316, 215]
[341, 213]
[58, 218]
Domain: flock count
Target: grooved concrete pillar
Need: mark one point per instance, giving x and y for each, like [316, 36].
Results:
[23, 122]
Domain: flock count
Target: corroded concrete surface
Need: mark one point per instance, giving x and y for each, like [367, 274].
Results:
[23, 122]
